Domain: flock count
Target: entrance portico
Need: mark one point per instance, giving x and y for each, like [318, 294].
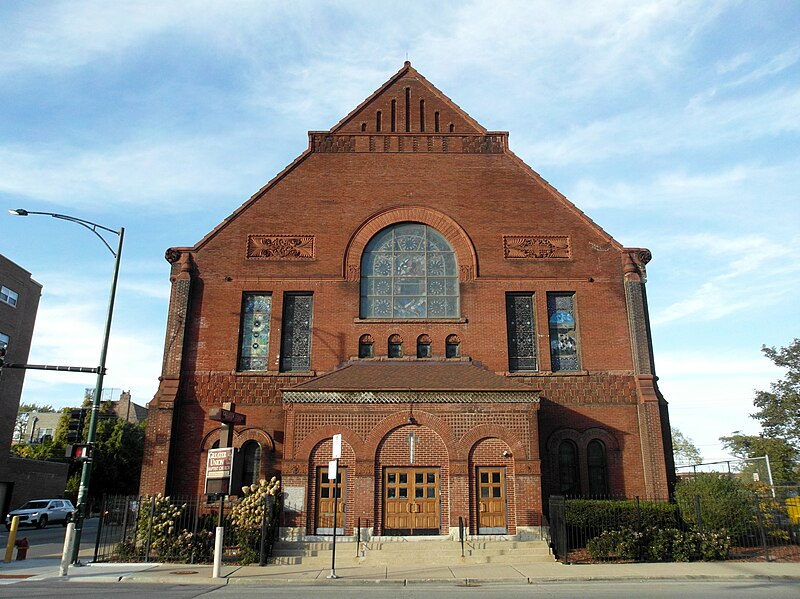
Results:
[438, 441]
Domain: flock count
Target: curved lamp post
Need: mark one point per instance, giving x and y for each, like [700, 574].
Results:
[86, 472]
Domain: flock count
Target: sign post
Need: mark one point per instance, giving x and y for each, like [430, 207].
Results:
[219, 470]
[333, 474]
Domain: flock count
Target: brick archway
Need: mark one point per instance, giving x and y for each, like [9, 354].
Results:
[449, 228]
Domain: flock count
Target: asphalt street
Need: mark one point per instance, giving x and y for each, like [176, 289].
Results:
[49, 541]
[588, 590]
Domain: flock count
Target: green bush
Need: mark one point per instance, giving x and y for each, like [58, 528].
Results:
[658, 544]
[725, 504]
[609, 515]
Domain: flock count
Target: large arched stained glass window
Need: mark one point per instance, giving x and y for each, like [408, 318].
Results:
[409, 270]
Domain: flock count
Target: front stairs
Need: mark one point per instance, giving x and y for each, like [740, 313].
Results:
[411, 551]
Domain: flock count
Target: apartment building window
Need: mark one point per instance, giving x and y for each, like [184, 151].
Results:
[8, 296]
[254, 345]
[521, 332]
[296, 338]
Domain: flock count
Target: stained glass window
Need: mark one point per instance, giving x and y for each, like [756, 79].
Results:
[296, 339]
[452, 347]
[569, 482]
[409, 270]
[563, 331]
[365, 346]
[254, 348]
[251, 456]
[596, 463]
[521, 332]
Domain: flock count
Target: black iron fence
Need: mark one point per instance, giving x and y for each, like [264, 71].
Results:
[182, 529]
[745, 525]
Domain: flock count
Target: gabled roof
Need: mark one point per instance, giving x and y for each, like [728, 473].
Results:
[383, 381]
[419, 89]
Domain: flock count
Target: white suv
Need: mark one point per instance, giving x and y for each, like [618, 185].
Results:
[40, 512]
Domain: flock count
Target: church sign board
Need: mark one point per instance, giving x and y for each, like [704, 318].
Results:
[219, 468]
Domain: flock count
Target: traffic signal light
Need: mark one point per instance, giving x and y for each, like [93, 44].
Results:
[75, 425]
[80, 452]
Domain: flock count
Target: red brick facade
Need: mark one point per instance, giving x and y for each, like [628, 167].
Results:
[408, 154]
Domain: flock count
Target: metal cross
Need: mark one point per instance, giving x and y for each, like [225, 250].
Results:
[412, 440]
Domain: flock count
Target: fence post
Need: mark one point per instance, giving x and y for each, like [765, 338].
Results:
[358, 536]
[100, 527]
[558, 526]
[150, 529]
[461, 533]
[760, 519]
[698, 513]
[262, 553]
[194, 526]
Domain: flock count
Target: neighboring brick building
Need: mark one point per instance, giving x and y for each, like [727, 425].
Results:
[410, 283]
[20, 480]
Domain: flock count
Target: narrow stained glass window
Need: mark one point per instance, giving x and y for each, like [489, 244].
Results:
[563, 331]
[521, 332]
[296, 338]
[254, 347]
[596, 463]
[569, 482]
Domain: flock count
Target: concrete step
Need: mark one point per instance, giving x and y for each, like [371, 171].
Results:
[440, 552]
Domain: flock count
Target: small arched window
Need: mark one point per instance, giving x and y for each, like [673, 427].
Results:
[424, 346]
[251, 462]
[568, 473]
[365, 346]
[596, 463]
[452, 347]
[395, 349]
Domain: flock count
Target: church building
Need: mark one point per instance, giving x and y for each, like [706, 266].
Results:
[410, 284]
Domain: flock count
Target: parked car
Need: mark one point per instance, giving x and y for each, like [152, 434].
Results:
[41, 512]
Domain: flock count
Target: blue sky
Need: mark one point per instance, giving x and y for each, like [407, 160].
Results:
[674, 125]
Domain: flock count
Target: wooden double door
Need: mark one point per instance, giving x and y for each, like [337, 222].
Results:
[492, 504]
[411, 501]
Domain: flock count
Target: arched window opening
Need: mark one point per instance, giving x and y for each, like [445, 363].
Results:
[395, 346]
[568, 473]
[365, 347]
[424, 346]
[452, 347]
[596, 463]
[251, 462]
[409, 271]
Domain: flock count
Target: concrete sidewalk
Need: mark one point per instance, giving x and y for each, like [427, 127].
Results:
[41, 569]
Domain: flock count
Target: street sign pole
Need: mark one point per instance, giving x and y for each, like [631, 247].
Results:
[333, 474]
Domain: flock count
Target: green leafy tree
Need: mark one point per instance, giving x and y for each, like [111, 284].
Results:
[684, 449]
[779, 408]
[726, 504]
[783, 458]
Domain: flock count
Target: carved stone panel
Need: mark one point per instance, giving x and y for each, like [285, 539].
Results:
[536, 247]
[280, 247]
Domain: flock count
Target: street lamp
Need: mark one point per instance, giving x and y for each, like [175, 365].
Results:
[86, 472]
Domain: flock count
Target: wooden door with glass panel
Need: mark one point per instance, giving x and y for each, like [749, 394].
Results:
[328, 494]
[411, 501]
[492, 501]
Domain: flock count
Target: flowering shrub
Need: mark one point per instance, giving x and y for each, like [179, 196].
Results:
[247, 516]
[659, 544]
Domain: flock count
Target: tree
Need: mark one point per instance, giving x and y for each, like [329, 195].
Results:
[684, 449]
[24, 414]
[779, 409]
[783, 458]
